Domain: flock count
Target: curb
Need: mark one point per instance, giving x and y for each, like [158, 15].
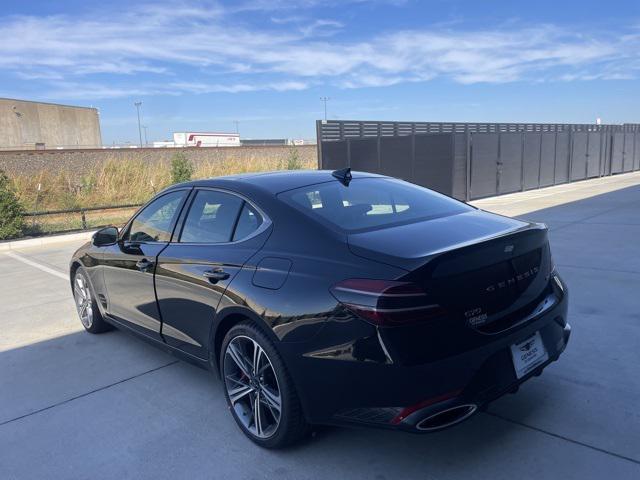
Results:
[38, 242]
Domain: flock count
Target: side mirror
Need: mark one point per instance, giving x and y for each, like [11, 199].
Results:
[105, 236]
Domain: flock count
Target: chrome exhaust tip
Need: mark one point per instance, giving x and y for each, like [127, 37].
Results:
[447, 417]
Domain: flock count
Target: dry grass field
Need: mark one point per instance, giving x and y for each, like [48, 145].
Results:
[119, 182]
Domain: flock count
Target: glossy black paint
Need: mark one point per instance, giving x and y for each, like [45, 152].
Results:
[105, 237]
[186, 296]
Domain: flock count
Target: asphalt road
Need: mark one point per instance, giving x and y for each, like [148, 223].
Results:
[74, 405]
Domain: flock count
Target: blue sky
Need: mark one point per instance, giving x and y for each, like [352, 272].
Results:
[201, 65]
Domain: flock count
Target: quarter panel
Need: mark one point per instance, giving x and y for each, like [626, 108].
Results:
[302, 305]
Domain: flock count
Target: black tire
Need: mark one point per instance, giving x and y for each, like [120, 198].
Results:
[96, 323]
[292, 425]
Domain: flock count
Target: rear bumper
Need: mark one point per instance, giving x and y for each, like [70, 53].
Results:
[336, 391]
[491, 382]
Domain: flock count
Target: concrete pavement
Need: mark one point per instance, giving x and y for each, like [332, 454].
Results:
[74, 405]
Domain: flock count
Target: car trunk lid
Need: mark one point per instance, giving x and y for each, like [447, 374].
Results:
[412, 245]
[485, 270]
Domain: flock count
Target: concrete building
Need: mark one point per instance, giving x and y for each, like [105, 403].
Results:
[26, 125]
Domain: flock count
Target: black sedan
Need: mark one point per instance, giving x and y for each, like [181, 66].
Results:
[330, 298]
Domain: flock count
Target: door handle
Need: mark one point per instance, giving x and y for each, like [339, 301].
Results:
[216, 275]
[144, 265]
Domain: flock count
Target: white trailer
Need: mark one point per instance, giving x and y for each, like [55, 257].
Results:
[206, 139]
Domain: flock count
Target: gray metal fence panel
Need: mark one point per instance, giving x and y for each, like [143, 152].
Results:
[531, 157]
[510, 163]
[334, 155]
[628, 153]
[605, 167]
[579, 155]
[363, 154]
[484, 164]
[547, 159]
[433, 166]
[474, 160]
[563, 151]
[594, 145]
[617, 153]
[460, 179]
[396, 157]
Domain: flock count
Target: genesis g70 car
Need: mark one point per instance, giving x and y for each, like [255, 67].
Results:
[331, 298]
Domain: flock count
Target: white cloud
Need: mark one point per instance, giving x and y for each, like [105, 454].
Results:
[89, 90]
[323, 28]
[198, 40]
[288, 5]
[235, 88]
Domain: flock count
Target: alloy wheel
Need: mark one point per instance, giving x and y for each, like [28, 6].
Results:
[84, 304]
[252, 386]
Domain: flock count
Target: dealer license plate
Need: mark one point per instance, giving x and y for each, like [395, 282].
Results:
[528, 354]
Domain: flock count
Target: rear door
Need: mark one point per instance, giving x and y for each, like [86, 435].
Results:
[219, 233]
[129, 264]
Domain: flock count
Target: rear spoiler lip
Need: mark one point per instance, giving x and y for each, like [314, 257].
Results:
[487, 238]
[431, 255]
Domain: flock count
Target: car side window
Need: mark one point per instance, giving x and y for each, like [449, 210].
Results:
[212, 217]
[153, 224]
[248, 222]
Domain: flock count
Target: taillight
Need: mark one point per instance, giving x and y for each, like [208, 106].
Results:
[386, 302]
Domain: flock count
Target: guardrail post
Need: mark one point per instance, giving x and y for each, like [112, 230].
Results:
[35, 208]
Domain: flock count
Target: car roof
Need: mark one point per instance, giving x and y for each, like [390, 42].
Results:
[275, 182]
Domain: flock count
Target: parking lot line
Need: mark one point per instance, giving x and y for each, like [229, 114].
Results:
[563, 437]
[49, 407]
[39, 266]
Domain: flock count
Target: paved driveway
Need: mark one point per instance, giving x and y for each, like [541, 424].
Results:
[74, 405]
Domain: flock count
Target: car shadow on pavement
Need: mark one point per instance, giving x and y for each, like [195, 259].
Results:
[79, 389]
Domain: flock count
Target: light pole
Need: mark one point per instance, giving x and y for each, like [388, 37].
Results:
[237, 126]
[146, 142]
[325, 100]
[138, 104]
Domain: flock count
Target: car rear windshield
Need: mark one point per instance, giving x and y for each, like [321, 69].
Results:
[371, 203]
